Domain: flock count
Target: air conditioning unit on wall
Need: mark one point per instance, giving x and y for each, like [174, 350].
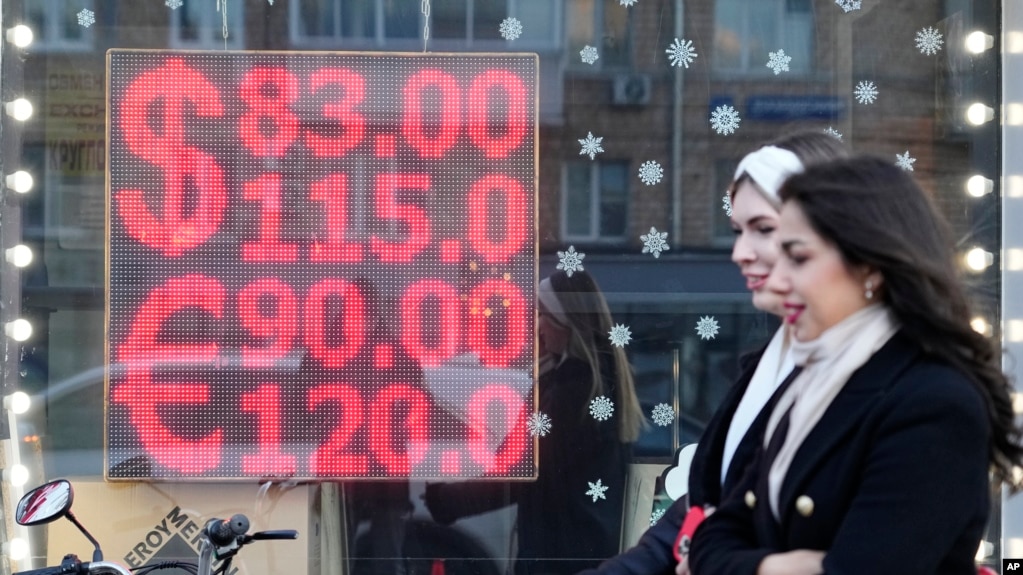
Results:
[630, 90]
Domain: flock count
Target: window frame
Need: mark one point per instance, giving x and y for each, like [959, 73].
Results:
[381, 40]
[595, 235]
[53, 40]
[750, 69]
[575, 64]
[209, 28]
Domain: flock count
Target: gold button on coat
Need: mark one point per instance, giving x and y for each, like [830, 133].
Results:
[804, 505]
[751, 499]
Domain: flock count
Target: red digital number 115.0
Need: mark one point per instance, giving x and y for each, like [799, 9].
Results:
[332, 192]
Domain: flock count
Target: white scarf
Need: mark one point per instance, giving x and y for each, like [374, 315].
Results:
[828, 362]
[773, 367]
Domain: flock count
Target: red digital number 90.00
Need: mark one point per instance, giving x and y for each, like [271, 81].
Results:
[141, 351]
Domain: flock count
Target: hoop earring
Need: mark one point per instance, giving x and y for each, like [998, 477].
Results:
[868, 289]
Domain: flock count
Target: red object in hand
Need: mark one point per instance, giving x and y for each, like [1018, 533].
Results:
[694, 517]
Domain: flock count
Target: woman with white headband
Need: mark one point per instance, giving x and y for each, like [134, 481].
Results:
[882, 455]
[731, 437]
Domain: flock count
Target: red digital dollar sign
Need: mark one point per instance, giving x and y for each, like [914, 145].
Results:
[152, 122]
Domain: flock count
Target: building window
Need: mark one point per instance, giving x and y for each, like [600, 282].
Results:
[453, 23]
[745, 33]
[594, 205]
[55, 25]
[200, 25]
[602, 24]
[326, 21]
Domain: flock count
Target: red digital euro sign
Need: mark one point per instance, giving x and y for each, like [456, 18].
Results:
[321, 265]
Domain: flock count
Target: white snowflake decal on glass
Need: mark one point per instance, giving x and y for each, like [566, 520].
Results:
[725, 120]
[588, 55]
[597, 490]
[681, 53]
[663, 414]
[651, 172]
[619, 335]
[656, 516]
[849, 5]
[602, 408]
[726, 204]
[590, 145]
[510, 28]
[626, 2]
[928, 41]
[655, 242]
[866, 92]
[538, 424]
[778, 61]
[833, 133]
[571, 261]
[174, 4]
[86, 18]
[707, 327]
[904, 161]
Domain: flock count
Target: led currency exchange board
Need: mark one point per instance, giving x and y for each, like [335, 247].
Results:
[320, 265]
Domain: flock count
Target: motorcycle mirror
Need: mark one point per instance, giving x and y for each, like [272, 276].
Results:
[45, 503]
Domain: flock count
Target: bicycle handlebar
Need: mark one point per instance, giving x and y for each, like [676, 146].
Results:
[221, 539]
[276, 534]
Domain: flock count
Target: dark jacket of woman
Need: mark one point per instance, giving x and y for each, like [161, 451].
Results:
[561, 529]
[653, 554]
[893, 479]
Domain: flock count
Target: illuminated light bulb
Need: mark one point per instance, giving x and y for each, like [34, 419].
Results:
[20, 181]
[1014, 42]
[20, 109]
[18, 330]
[16, 549]
[1014, 330]
[1014, 114]
[978, 186]
[16, 475]
[978, 114]
[981, 326]
[1014, 186]
[1013, 546]
[978, 259]
[1017, 403]
[1014, 259]
[20, 35]
[17, 402]
[19, 256]
[978, 42]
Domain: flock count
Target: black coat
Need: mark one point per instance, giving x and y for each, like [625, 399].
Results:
[653, 554]
[896, 471]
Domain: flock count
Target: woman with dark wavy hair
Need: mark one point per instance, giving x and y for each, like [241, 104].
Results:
[730, 439]
[876, 457]
[560, 528]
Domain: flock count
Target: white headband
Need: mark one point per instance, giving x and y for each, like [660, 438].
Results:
[769, 167]
[549, 299]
